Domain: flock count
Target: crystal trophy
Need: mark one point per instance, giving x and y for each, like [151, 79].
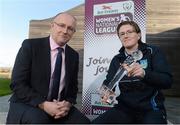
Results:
[107, 90]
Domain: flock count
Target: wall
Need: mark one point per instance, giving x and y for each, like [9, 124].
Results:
[163, 30]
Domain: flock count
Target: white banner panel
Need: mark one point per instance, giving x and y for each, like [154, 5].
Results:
[101, 43]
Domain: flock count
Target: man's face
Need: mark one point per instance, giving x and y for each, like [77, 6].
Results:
[62, 28]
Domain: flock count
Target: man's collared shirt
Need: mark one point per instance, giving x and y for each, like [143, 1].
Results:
[54, 52]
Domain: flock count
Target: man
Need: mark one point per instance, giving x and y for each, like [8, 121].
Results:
[34, 73]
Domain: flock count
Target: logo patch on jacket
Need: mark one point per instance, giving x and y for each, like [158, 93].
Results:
[143, 63]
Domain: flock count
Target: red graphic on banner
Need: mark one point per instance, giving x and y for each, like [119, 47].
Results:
[106, 7]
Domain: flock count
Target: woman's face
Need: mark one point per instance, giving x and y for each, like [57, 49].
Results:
[129, 37]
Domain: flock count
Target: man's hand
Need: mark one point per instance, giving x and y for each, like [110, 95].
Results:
[64, 107]
[56, 109]
[50, 107]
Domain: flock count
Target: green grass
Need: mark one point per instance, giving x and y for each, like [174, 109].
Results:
[4, 86]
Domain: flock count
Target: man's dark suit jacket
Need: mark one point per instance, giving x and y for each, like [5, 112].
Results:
[32, 70]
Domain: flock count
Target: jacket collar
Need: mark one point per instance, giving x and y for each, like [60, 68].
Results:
[141, 46]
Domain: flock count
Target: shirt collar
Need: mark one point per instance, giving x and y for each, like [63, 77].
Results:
[54, 45]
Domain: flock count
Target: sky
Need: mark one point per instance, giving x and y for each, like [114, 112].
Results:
[14, 22]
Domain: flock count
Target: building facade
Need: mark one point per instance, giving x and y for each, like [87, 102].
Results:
[163, 30]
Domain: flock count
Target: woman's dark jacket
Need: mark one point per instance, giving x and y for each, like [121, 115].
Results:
[143, 93]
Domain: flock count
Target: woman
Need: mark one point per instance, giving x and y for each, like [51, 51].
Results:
[141, 100]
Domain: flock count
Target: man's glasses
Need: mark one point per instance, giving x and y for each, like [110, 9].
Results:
[128, 33]
[63, 26]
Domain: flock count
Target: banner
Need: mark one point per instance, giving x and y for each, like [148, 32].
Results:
[101, 43]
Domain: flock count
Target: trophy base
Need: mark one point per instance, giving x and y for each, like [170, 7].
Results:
[109, 94]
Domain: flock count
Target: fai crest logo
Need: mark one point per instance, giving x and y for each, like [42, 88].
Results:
[127, 6]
